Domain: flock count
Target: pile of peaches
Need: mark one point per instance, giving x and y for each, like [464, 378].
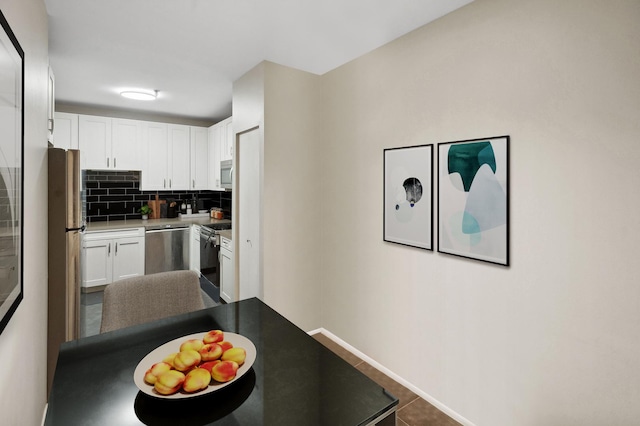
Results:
[196, 365]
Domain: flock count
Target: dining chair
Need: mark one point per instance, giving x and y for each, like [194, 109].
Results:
[151, 297]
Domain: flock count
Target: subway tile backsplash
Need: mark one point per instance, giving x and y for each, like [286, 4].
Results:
[117, 196]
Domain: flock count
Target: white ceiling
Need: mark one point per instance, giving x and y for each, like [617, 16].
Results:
[191, 51]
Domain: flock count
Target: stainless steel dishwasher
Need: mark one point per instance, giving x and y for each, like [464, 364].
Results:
[166, 248]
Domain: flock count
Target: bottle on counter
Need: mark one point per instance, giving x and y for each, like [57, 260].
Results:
[183, 208]
[189, 211]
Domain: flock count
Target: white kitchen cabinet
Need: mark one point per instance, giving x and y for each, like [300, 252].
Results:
[166, 150]
[180, 158]
[227, 281]
[214, 157]
[220, 148]
[199, 158]
[126, 144]
[226, 139]
[194, 252]
[109, 144]
[111, 256]
[65, 130]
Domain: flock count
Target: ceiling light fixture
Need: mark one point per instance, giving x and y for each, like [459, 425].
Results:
[140, 95]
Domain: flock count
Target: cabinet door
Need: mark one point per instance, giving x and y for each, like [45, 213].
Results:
[94, 138]
[179, 157]
[227, 285]
[126, 144]
[199, 158]
[214, 157]
[227, 136]
[65, 130]
[128, 257]
[97, 263]
[155, 171]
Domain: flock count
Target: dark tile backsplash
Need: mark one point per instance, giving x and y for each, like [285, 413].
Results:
[117, 196]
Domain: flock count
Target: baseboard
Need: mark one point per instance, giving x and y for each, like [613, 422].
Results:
[440, 406]
[44, 413]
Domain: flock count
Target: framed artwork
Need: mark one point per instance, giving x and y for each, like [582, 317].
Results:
[408, 196]
[473, 199]
[11, 167]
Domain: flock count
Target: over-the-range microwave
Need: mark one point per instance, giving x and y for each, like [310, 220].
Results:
[226, 173]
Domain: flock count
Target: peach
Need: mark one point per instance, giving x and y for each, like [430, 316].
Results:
[210, 351]
[156, 369]
[225, 345]
[224, 371]
[196, 380]
[213, 336]
[208, 365]
[194, 344]
[169, 382]
[186, 360]
[235, 354]
[169, 358]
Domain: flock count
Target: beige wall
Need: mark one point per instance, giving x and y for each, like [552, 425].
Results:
[552, 340]
[285, 104]
[23, 342]
[292, 220]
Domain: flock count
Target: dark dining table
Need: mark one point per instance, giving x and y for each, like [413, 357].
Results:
[294, 379]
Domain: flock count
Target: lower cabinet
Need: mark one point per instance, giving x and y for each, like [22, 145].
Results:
[227, 281]
[111, 256]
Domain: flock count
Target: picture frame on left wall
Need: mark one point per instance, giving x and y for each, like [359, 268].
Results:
[11, 172]
[408, 196]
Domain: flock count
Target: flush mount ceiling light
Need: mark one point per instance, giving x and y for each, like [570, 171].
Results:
[140, 95]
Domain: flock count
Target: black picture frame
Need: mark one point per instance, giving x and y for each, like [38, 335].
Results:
[408, 196]
[11, 173]
[473, 199]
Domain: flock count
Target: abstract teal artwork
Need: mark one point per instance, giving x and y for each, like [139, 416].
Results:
[408, 196]
[473, 208]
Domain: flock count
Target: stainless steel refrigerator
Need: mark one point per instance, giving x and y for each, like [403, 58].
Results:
[65, 224]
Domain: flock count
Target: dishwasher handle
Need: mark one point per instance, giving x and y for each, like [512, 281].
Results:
[153, 231]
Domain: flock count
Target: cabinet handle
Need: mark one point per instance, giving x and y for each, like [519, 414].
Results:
[169, 183]
[194, 183]
[164, 184]
[116, 243]
[109, 250]
[114, 162]
[107, 162]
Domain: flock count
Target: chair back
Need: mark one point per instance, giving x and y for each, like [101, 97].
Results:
[151, 297]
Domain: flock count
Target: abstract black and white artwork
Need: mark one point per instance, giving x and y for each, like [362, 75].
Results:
[408, 196]
[11, 172]
[473, 199]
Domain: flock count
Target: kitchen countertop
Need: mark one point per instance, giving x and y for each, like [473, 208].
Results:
[137, 223]
[226, 233]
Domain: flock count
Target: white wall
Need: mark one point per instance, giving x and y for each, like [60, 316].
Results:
[552, 340]
[23, 342]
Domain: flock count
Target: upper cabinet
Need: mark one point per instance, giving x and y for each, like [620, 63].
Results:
[226, 139]
[167, 157]
[220, 149]
[65, 134]
[199, 158]
[109, 144]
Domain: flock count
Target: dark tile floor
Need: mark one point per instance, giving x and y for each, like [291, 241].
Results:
[412, 410]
